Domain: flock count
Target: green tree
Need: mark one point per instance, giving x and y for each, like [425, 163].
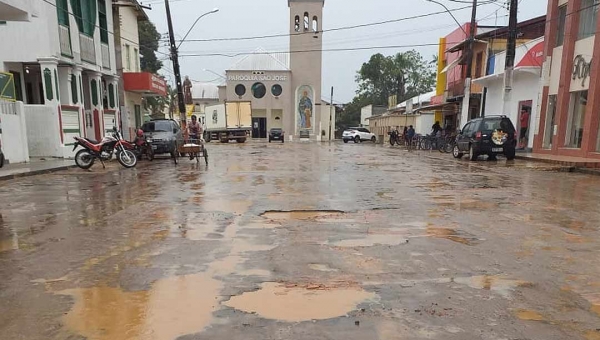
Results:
[149, 38]
[406, 74]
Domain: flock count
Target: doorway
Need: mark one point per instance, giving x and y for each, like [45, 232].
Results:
[259, 127]
[524, 123]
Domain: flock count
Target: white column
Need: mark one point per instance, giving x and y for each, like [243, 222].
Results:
[77, 98]
[49, 72]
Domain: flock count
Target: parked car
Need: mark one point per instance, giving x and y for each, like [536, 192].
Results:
[1, 158]
[276, 134]
[165, 135]
[491, 135]
[358, 135]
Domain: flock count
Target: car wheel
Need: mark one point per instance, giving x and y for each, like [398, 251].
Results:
[345, 141]
[492, 157]
[357, 139]
[269, 140]
[456, 152]
[510, 154]
[373, 139]
[1, 160]
[472, 154]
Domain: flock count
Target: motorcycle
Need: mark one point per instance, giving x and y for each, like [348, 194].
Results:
[394, 137]
[142, 146]
[104, 150]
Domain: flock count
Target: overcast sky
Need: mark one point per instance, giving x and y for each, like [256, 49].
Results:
[243, 18]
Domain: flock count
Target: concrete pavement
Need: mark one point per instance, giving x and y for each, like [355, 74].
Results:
[302, 241]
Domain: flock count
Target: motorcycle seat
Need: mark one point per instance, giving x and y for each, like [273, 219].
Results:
[92, 141]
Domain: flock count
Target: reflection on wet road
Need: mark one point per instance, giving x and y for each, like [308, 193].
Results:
[302, 241]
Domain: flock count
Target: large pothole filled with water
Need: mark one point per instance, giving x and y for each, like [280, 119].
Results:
[296, 303]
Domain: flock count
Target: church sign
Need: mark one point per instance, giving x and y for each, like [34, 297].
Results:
[257, 77]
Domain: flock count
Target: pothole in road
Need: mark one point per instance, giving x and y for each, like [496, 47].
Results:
[173, 307]
[296, 303]
[300, 214]
[453, 235]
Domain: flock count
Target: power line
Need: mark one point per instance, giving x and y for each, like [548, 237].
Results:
[419, 16]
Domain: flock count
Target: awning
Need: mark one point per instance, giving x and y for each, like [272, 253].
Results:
[453, 64]
[444, 107]
[145, 83]
[534, 70]
[461, 45]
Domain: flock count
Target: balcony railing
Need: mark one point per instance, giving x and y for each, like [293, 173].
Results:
[105, 55]
[65, 40]
[88, 50]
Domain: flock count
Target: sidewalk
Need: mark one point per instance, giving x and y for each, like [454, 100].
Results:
[35, 167]
[575, 162]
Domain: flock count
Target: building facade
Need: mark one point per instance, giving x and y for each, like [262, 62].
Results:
[67, 66]
[569, 121]
[135, 85]
[285, 88]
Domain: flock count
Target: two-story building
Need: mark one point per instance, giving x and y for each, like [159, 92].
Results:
[64, 66]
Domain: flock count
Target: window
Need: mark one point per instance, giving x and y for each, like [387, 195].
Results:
[128, 57]
[102, 21]
[297, 24]
[306, 21]
[479, 65]
[240, 90]
[587, 18]
[276, 90]
[549, 124]
[259, 90]
[315, 24]
[136, 60]
[576, 118]
[562, 17]
[85, 14]
[74, 89]
[62, 7]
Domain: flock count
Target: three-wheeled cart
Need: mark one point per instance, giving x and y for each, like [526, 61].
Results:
[193, 148]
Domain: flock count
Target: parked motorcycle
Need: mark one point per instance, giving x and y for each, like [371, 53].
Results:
[104, 150]
[142, 146]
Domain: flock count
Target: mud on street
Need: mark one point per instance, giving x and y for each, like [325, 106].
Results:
[302, 241]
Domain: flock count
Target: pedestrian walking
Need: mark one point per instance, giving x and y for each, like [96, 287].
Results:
[410, 135]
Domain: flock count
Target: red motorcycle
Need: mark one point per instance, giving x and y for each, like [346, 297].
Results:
[104, 150]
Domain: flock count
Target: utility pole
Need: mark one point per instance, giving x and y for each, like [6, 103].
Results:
[175, 59]
[331, 115]
[511, 46]
[469, 63]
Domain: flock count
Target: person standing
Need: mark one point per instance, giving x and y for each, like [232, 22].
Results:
[524, 123]
[410, 134]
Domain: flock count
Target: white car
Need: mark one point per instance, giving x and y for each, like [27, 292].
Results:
[358, 135]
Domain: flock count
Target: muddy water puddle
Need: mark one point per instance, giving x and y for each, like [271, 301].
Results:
[529, 315]
[300, 214]
[173, 307]
[293, 303]
[321, 267]
[501, 285]
[237, 207]
[8, 244]
[371, 240]
[452, 235]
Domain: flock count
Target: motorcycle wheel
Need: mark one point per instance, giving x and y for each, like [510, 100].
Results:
[84, 159]
[127, 159]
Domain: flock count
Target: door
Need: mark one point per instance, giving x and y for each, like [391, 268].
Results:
[463, 138]
[259, 127]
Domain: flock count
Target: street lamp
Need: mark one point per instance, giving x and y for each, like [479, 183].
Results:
[449, 12]
[215, 10]
[215, 73]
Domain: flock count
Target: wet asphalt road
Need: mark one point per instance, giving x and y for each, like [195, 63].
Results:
[302, 241]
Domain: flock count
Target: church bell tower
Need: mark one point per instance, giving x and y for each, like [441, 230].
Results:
[306, 59]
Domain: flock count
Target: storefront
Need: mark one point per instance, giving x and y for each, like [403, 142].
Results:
[569, 121]
[523, 100]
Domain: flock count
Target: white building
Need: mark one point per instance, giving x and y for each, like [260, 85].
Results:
[203, 95]
[135, 84]
[370, 111]
[525, 94]
[63, 63]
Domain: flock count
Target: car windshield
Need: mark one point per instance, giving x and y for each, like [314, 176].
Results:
[158, 126]
[503, 124]
[275, 130]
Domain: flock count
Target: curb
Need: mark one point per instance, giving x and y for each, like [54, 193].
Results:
[35, 172]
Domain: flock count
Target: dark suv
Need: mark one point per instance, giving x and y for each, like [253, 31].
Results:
[276, 134]
[492, 136]
[165, 135]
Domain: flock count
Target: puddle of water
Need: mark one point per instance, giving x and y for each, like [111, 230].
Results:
[262, 225]
[9, 244]
[529, 315]
[372, 240]
[450, 234]
[295, 304]
[173, 307]
[299, 214]
[501, 285]
[237, 207]
[255, 272]
[321, 267]
[592, 335]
